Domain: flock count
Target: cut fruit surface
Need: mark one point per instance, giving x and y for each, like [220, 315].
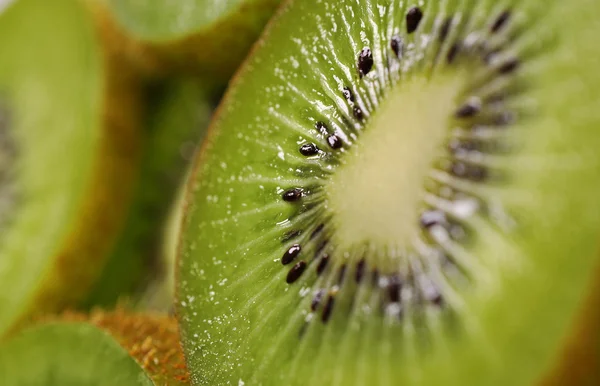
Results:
[60, 354]
[97, 349]
[397, 193]
[68, 147]
[206, 37]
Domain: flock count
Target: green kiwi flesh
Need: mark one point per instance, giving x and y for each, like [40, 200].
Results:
[113, 348]
[66, 156]
[68, 354]
[205, 37]
[177, 115]
[397, 193]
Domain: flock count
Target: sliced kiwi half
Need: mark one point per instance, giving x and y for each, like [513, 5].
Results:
[176, 115]
[98, 349]
[398, 193]
[194, 36]
[69, 144]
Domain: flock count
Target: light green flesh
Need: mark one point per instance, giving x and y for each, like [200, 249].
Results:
[68, 354]
[50, 76]
[165, 20]
[528, 262]
[178, 114]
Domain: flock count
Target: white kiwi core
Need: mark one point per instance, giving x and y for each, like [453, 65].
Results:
[375, 195]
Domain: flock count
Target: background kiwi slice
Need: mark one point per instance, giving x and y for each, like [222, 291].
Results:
[176, 116]
[203, 37]
[397, 193]
[69, 148]
[100, 349]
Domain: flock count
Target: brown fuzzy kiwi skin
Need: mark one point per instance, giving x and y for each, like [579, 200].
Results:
[211, 53]
[151, 339]
[101, 215]
[578, 360]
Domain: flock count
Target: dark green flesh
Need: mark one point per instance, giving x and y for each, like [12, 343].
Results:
[177, 117]
[484, 298]
[67, 354]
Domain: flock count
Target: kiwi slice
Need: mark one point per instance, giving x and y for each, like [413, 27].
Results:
[100, 349]
[203, 37]
[69, 132]
[397, 193]
[177, 113]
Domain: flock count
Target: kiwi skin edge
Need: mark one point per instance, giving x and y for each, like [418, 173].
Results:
[68, 279]
[578, 362]
[199, 53]
[151, 339]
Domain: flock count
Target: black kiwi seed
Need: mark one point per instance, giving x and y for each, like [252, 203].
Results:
[397, 45]
[334, 141]
[360, 270]
[292, 195]
[317, 230]
[309, 149]
[358, 113]
[348, 94]
[452, 53]
[322, 127]
[393, 288]
[445, 29]
[500, 21]
[471, 172]
[341, 274]
[321, 246]
[469, 109]
[365, 61]
[509, 66]
[322, 264]
[295, 272]
[477, 173]
[291, 254]
[413, 19]
[328, 308]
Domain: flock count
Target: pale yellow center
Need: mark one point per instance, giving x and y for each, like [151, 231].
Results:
[376, 194]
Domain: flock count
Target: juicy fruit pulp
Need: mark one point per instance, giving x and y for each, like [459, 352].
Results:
[60, 354]
[96, 349]
[73, 155]
[204, 37]
[382, 198]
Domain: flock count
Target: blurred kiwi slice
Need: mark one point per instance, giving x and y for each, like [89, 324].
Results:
[177, 113]
[69, 132]
[398, 193]
[203, 37]
[101, 349]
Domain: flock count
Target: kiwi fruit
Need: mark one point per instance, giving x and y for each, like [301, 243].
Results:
[98, 349]
[69, 146]
[398, 193]
[208, 38]
[176, 115]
